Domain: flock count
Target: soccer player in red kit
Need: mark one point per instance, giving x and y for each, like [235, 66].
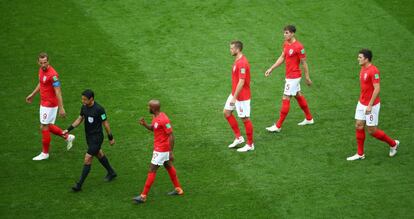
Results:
[163, 150]
[50, 101]
[239, 99]
[293, 54]
[368, 107]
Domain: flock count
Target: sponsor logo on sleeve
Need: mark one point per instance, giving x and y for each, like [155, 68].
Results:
[376, 76]
[168, 125]
[55, 78]
[243, 71]
[103, 116]
[302, 51]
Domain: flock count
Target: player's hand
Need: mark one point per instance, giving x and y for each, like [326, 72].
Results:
[232, 101]
[64, 132]
[171, 156]
[29, 99]
[62, 112]
[368, 110]
[142, 121]
[268, 72]
[308, 81]
[112, 142]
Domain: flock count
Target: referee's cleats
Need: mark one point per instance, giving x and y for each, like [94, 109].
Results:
[77, 187]
[140, 199]
[177, 191]
[110, 177]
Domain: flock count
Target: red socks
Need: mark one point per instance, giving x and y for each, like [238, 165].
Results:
[249, 131]
[233, 124]
[45, 141]
[304, 105]
[57, 131]
[283, 112]
[360, 137]
[380, 135]
[148, 183]
[173, 176]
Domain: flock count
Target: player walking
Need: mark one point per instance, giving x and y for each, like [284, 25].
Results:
[163, 150]
[50, 101]
[239, 99]
[293, 54]
[368, 107]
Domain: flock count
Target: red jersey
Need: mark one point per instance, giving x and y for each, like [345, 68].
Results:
[241, 70]
[48, 80]
[368, 76]
[162, 129]
[293, 53]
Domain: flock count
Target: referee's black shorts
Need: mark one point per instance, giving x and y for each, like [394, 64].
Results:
[94, 144]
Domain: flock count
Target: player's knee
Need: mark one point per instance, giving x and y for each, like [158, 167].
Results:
[359, 125]
[371, 129]
[285, 97]
[245, 119]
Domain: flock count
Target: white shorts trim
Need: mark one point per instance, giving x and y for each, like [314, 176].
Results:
[292, 87]
[370, 119]
[242, 107]
[158, 158]
[47, 115]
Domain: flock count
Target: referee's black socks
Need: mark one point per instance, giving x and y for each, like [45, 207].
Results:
[104, 161]
[85, 172]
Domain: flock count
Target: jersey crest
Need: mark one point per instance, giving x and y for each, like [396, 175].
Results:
[290, 52]
[90, 119]
[44, 79]
[156, 125]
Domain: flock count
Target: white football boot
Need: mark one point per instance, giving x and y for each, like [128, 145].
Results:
[236, 142]
[246, 148]
[306, 122]
[273, 128]
[356, 157]
[41, 156]
[70, 140]
[393, 150]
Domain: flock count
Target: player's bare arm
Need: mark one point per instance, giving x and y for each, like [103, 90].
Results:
[58, 92]
[278, 62]
[374, 96]
[108, 132]
[239, 87]
[171, 139]
[306, 70]
[144, 123]
[29, 98]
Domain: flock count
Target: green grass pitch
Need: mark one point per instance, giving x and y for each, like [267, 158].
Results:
[131, 51]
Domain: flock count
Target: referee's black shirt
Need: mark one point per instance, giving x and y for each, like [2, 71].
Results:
[93, 116]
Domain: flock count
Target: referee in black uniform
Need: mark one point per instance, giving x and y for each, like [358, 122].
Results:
[94, 116]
